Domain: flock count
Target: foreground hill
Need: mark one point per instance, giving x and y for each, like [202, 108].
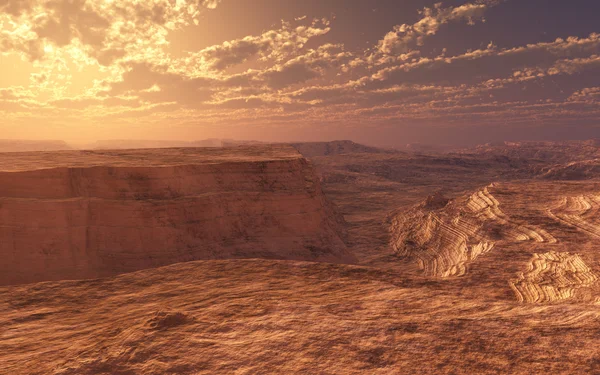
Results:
[274, 317]
[82, 214]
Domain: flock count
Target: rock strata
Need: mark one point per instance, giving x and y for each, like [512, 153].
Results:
[96, 214]
[551, 277]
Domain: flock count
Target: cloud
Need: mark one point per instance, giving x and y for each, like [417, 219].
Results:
[87, 102]
[311, 65]
[490, 63]
[156, 84]
[161, 84]
[574, 66]
[15, 7]
[403, 38]
[211, 4]
[14, 93]
[103, 30]
[277, 44]
[588, 95]
[489, 82]
[293, 73]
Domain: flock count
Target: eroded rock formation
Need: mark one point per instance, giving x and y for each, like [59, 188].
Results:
[118, 214]
[551, 277]
[580, 212]
[444, 237]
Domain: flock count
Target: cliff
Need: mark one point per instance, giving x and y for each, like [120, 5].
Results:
[88, 214]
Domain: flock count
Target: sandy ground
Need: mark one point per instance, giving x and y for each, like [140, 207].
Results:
[272, 317]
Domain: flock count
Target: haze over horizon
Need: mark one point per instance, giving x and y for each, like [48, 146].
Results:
[376, 72]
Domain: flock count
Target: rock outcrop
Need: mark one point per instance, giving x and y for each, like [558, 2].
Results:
[551, 277]
[93, 214]
[440, 237]
[580, 212]
[444, 236]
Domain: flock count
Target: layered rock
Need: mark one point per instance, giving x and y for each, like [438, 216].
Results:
[580, 212]
[552, 276]
[102, 213]
[440, 237]
[444, 236]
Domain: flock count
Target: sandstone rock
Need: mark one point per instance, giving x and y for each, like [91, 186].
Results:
[444, 237]
[551, 277]
[97, 214]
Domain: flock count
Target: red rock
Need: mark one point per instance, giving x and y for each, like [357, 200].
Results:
[117, 216]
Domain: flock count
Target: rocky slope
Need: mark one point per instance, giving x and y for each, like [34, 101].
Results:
[538, 239]
[93, 214]
[446, 238]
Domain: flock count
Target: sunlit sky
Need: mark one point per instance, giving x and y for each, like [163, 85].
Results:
[384, 72]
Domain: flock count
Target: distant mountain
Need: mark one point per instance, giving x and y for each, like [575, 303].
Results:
[312, 149]
[427, 148]
[237, 143]
[18, 145]
[137, 143]
[577, 170]
[558, 152]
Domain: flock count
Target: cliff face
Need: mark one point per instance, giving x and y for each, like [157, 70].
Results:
[77, 222]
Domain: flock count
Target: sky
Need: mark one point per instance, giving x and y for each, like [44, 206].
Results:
[380, 72]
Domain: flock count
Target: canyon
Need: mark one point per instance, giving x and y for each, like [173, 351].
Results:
[325, 258]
